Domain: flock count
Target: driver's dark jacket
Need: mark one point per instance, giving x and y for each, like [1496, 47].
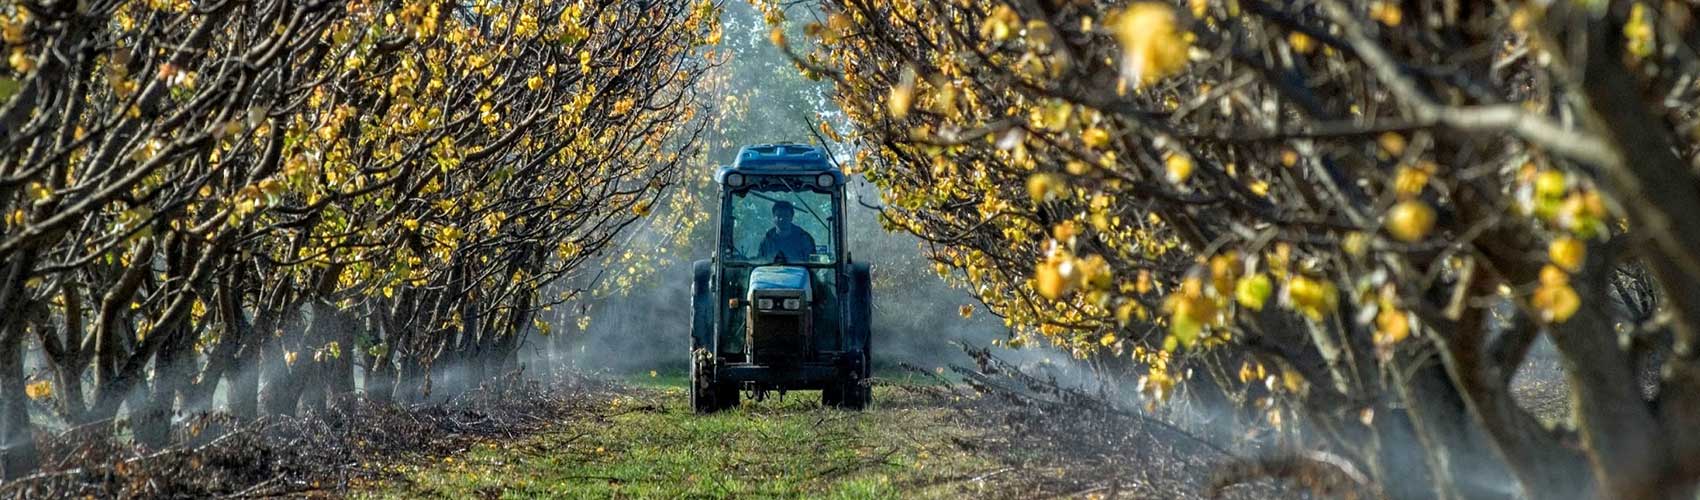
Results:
[796, 245]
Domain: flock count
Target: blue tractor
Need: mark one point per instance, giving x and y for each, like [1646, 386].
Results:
[780, 305]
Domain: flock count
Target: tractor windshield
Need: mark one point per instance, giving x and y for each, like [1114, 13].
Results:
[782, 220]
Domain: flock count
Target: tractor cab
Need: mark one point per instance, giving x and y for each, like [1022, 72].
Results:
[780, 305]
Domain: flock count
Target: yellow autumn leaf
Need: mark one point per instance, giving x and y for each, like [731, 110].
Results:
[827, 130]
[1638, 32]
[1392, 325]
[1567, 253]
[39, 390]
[1391, 143]
[1408, 181]
[1550, 184]
[1177, 168]
[1003, 23]
[902, 95]
[1292, 380]
[1410, 221]
[1094, 272]
[1312, 297]
[1556, 302]
[21, 61]
[1128, 311]
[1049, 281]
[1095, 138]
[1355, 243]
[1153, 46]
[1043, 187]
[1387, 13]
[1301, 42]
[1259, 188]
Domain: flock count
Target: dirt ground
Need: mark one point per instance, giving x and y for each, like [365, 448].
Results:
[596, 437]
[921, 440]
[587, 437]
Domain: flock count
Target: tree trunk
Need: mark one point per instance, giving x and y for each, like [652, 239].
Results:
[222, 356]
[341, 330]
[244, 379]
[151, 422]
[1627, 453]
[17, 440]
[17, 433]
[112, 330]
[1400, 464]
[519, 325]
[135, 401]
[310, 376]
[1481, 374]
[68, 373]
[410, 387]
[1635, 451]
[313, 362]
[244, 372]
[281, 394]
[1458, 453]
[380, 379]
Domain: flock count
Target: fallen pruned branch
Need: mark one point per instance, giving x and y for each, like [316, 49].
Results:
[325, 450]
[1325, 474]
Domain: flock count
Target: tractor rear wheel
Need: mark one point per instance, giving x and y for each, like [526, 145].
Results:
[849, 394]
[850, 391]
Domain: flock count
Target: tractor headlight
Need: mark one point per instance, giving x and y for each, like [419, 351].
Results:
[734, 179]
[825, 180]
[764, 303]
[793, 303]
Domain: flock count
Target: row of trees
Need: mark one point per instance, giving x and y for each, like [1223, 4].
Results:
[258, 199]
[1358, 213]
[635, 303]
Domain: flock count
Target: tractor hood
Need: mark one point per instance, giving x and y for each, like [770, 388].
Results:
[780, 281]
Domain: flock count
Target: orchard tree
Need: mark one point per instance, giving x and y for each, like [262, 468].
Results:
[1358, 213]
[260, 193]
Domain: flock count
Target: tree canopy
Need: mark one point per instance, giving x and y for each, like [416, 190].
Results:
[259, 193]
[1358, 213]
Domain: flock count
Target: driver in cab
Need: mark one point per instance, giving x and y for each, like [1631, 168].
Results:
[786, 242]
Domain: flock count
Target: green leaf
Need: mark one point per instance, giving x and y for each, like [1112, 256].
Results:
[1183, 330]
[1253, 291]
[9, 87]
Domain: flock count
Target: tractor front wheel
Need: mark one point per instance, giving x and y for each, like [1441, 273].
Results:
[705, 393]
